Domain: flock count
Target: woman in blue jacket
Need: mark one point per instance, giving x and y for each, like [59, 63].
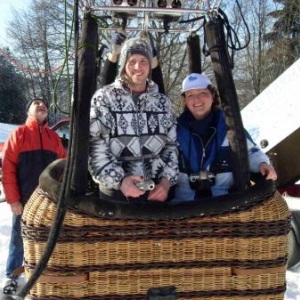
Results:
[204, 156]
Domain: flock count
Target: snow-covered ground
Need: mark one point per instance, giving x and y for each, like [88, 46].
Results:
[5, 227]
[5, 129]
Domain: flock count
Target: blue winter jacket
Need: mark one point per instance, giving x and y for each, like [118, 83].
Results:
[203, 146]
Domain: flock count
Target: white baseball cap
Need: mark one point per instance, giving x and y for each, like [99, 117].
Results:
[195, 81]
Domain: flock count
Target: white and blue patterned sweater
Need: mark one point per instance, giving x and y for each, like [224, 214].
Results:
[132, 135]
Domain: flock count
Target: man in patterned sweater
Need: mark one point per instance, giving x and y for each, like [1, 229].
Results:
[133, 132]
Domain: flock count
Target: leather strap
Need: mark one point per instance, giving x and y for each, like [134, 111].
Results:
[52, 278]
[240, 271]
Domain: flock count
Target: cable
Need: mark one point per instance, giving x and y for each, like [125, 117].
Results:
[232, 40]
[65, 63]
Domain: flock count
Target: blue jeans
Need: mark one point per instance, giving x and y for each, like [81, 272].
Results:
[183, 191]
[16, 249]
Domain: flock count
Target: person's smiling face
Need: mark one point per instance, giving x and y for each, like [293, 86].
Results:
[198, 102]
[137, 69]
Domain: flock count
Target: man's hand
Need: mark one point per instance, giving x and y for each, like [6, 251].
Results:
[160, 192]
[16, 208]
[117, 40]
[268, 171]
[128, 187]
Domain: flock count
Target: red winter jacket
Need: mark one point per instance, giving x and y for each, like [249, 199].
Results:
[28, 151]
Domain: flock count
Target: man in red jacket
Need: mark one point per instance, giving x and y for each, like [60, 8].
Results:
[28, 151]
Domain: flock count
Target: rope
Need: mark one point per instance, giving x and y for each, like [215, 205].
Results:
[63, 196]
[65, 63]
[232, 40]
[87, 45]
[28, 69]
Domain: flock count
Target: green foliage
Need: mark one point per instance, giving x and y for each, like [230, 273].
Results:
[12, 98]
[284, 38]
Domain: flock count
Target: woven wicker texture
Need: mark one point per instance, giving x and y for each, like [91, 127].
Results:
[204, 258]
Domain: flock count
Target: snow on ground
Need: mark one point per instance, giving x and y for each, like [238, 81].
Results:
[5, 129]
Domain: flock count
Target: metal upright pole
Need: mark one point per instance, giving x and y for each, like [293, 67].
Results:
[194, 53]
[215, 36]
[87, 52]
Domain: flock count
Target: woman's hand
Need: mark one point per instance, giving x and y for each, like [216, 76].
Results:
[268, 171]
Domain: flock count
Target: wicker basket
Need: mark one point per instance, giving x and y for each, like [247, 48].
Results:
[235, 255]
[231, 247]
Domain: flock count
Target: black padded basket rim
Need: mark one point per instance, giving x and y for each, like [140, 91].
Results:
[210, 206]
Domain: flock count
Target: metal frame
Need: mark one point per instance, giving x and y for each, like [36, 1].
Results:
[145, 12]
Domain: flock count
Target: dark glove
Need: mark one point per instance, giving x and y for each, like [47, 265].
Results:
[117, 40]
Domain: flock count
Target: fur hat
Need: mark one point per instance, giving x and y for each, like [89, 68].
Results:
[134, 46]
[30, 101]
